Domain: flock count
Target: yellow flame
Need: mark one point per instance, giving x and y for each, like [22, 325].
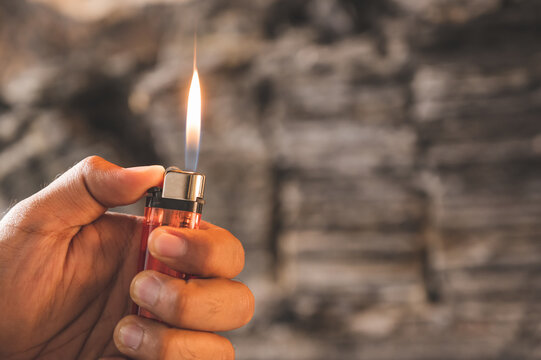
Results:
[193, 119]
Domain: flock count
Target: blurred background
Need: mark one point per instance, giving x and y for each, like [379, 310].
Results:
[379, 159]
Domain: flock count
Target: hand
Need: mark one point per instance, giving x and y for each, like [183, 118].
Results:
[66, 266]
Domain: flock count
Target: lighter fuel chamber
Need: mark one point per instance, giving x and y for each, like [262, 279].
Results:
[178, 204]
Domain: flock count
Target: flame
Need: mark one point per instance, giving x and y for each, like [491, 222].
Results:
[193, 123]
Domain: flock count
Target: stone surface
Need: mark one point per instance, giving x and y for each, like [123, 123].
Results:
[379, 159]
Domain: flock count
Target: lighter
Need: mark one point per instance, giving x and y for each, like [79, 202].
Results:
[179, 204]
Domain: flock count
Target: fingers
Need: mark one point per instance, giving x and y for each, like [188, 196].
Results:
[144, 339]
[197, 304]
[85, 191]
[106, 245]
[208, 252]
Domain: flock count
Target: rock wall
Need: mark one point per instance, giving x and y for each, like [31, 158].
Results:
[379, 159]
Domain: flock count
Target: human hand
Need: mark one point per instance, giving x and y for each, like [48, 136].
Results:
[66, 266]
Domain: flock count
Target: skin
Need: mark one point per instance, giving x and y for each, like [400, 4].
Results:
[68, 271]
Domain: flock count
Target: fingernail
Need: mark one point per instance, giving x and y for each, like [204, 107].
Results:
[147, 289]
[169, 245]
[131, 336]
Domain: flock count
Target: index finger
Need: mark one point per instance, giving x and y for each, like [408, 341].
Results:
[210, 251]
[205, 225]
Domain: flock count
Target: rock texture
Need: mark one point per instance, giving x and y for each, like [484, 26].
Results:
[379, 159]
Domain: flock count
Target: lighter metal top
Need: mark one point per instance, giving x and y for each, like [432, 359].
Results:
[183, 185]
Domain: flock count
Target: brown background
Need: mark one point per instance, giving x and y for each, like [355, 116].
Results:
[379, 159]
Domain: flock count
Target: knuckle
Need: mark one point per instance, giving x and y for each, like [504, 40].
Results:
[235, 265]
[178, 347]
[237, 259]
[181, 304]
[214, 306]
[225, 254]
[203, 346]
[91, 162]
[225, 233]
[215, 259]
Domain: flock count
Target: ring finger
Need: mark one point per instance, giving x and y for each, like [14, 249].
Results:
[144, 339]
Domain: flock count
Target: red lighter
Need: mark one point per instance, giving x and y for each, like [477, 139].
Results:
[179, 204]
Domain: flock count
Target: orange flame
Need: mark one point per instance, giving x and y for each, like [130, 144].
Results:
[193, 123]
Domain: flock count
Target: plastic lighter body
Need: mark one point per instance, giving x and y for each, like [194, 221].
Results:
[178, 204]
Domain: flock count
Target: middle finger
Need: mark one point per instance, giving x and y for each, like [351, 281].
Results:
[197, 304]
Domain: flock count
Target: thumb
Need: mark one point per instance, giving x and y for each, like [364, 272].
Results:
[84, 193]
